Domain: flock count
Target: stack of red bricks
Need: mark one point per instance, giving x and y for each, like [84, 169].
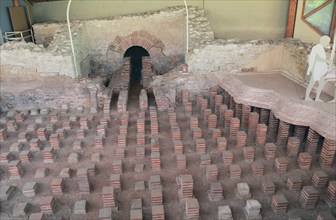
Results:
[181, 161]
[55, 117]
[47, 204]
[248, 153]
[186, 186]
[294, 182]
[23, 137]
[268, 187]
[241, 139]
[279, 204]
[42, 133]
[320, 178]
[6, 157]
[293, 146]
[158, 212]
[122, 101]
[115, 181]
[257, 168]
[272, 125]
[312, 141]
[48, 155]
[308, 197]
[15, 169]
[227, 119]
[235, 171]
[234, 128]
[192, 209]
[83, 181]
[25, 155]
[331, 193]
[35, 144]
[188, 108]
[54, 141]
[3, 134]
[108, 197]
[98, 142]
[155, 161]
[147, 72]
[156, 197]
[328, 153]
[211, 172]
[246, 109]
[252, 125]
[221, 143]
[281, 165]
[11, 126]
[197, 133]
[283, 132]
[19, 117]
[261, 135]
[305, 160]
[227, 157]
[117, 166]
[270, 150]
[143, 100]
[200, 146]
[57, 185]
[83, 122]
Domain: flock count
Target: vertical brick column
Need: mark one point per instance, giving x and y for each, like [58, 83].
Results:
[241, 139]
[222, 110]
[226, 98]
[273, 124]
[299, 132]
[283, 133]
[238, 111]
[261, 135]
[246, 109]
[252, 125]
[234, 128]
[328, 153]
[227, 118]
[293, 146]
[312, 141]
[218, 103]
[232, 103]
[264, 116]
[212, 122]
[185, 95]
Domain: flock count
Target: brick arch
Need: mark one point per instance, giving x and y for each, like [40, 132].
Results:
[137, 38]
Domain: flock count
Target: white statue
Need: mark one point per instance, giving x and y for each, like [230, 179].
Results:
[318, 67]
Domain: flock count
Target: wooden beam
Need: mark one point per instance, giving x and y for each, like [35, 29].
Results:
[291, 18]
[333, 24]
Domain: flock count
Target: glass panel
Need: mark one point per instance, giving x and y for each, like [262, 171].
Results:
[312, 4]
[322, 19]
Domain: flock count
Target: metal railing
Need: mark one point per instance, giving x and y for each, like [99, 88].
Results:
[18, 35]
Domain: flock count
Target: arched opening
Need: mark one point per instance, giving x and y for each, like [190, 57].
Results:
[136, 53]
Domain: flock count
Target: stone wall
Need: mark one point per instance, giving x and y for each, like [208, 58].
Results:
[27, 90]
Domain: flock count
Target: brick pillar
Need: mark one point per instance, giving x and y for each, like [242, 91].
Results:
[283, 133]
[272, 126]
[227, 118]
[264, 116]
[246, 109]
[312, 141]
[328, 153]
[261, 135]
[234, 128]
[299, 132]
[239, 111]
[252, 125]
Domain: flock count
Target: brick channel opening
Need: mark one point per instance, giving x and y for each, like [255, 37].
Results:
[136, 54]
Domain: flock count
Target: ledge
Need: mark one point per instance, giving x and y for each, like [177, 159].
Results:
[291, 109]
